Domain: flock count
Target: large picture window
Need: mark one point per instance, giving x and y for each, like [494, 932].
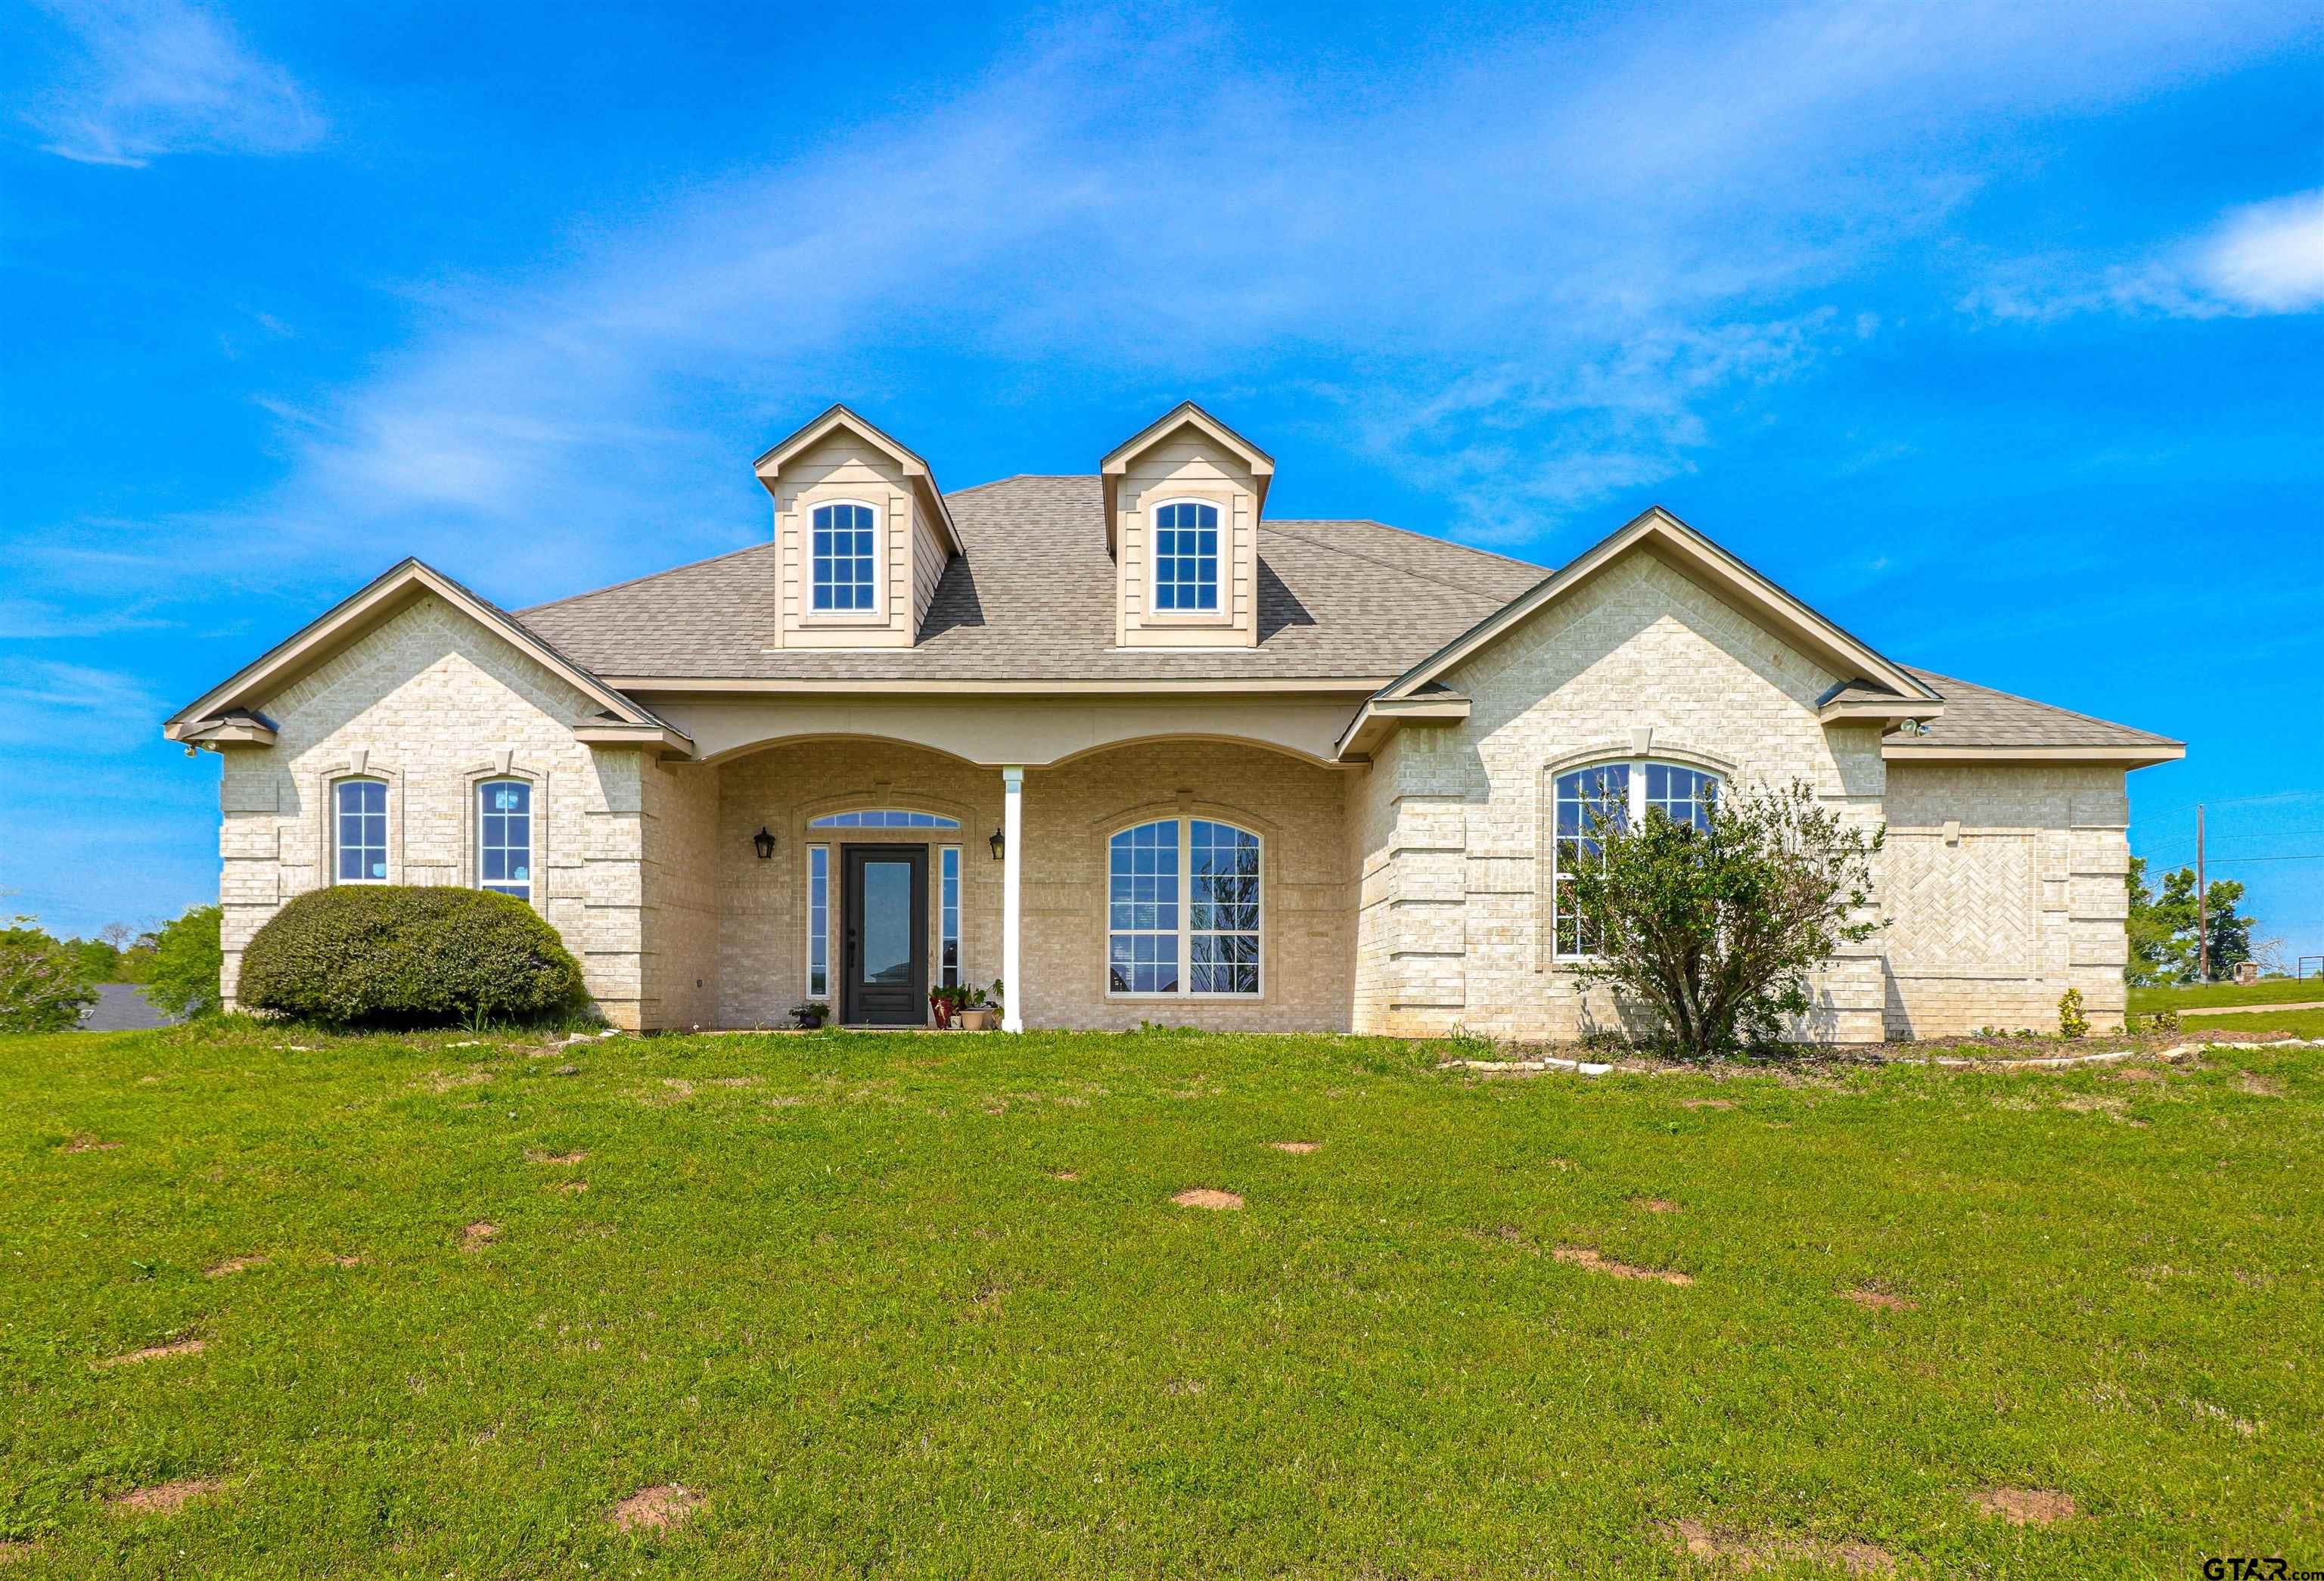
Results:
[1183, 909]
[846, 561]
[1609, 794]
[360, 811]
[504, 837]
[1186, 556]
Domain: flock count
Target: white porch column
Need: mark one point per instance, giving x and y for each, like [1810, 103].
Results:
[1012, 899]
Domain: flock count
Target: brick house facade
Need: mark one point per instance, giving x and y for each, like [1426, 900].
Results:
[1146, 754]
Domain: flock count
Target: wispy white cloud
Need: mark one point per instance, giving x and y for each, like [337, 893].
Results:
[158, 77]
[1546, 275]
[42, 701]
[2256, 259]
[2269, 258]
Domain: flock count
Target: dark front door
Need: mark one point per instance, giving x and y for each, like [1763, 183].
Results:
[885, 981]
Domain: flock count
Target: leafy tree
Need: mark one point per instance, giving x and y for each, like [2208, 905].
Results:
[99, 961]
[1718, 929]
[2165, 929]
[43, 985]
[184, 977]
[2152, 955]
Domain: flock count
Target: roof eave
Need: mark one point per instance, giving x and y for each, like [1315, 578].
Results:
[2130, 755]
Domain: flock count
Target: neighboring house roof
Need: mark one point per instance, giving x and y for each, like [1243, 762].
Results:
[1033, 600]
[228, 706]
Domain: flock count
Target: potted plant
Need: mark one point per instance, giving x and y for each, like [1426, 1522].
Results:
[974, 1016]
[810, 1014]
[943, 1003]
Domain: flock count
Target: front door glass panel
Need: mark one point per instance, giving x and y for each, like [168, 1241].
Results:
[888, 924]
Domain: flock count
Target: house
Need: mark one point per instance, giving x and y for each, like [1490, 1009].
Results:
[1144, 753]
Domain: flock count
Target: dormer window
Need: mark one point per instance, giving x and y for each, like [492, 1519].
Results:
[846, 557]
[1186, 556]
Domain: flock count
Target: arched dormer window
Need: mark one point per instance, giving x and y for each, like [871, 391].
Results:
[1186, 556]
[1587, 799]
[359, 835]
[1183, 910]
[846, 557]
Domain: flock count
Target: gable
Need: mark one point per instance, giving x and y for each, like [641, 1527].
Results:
[1690, 554]
[223, 715]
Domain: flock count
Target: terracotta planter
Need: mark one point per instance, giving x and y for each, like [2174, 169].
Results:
[976, 1021]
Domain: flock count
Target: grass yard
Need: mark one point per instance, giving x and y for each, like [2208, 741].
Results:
[2260, 1022]
[2197, 995]
[912, 1305]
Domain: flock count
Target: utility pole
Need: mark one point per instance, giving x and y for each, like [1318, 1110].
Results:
[2202, 906]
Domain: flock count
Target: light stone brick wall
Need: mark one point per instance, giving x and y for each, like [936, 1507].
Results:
[433, 701]
[1069, 812]
[1405, 897]
[2006, 884]
[1451, 830]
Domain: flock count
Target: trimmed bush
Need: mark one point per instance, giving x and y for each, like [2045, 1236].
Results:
[390, 955]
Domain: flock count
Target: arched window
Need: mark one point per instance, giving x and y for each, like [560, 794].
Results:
[1591, 800]
[504, 837]
[1183, 909]
[882, 818]
[359, 809]
[845, 557]
[1186, 556]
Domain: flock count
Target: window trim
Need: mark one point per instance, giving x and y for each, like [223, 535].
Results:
[331, 844]
[477, 786]
[951, 869]
[1185, 820]
[810, 936]
[1223, 612]
[877, 614]
[947, 823]
[1634, 767]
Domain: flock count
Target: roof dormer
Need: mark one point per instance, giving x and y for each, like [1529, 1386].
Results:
[864, 535]
[1183, 502]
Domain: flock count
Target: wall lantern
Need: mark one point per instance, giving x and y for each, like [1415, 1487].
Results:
[999, 845]
[765, 842]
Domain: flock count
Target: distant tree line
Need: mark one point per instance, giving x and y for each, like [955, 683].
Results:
[2167, 930]
[46, 983]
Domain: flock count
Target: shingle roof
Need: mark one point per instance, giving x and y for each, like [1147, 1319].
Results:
[1980, 716]
[1032, 599]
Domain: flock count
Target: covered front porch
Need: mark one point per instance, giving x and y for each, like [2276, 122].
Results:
[1180, 881]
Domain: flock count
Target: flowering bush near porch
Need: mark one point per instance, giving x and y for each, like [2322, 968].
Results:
[281, 1302]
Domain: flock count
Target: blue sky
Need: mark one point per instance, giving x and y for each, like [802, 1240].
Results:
[1996, 331]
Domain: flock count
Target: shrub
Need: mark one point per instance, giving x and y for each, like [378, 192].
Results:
[44, 984]
[184, 977]
[2071, 1022]
[1719, 929]
[381, 954]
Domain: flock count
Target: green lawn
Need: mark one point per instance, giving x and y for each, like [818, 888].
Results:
[2299, 1023]
[2274, 991]
[839, 1289]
